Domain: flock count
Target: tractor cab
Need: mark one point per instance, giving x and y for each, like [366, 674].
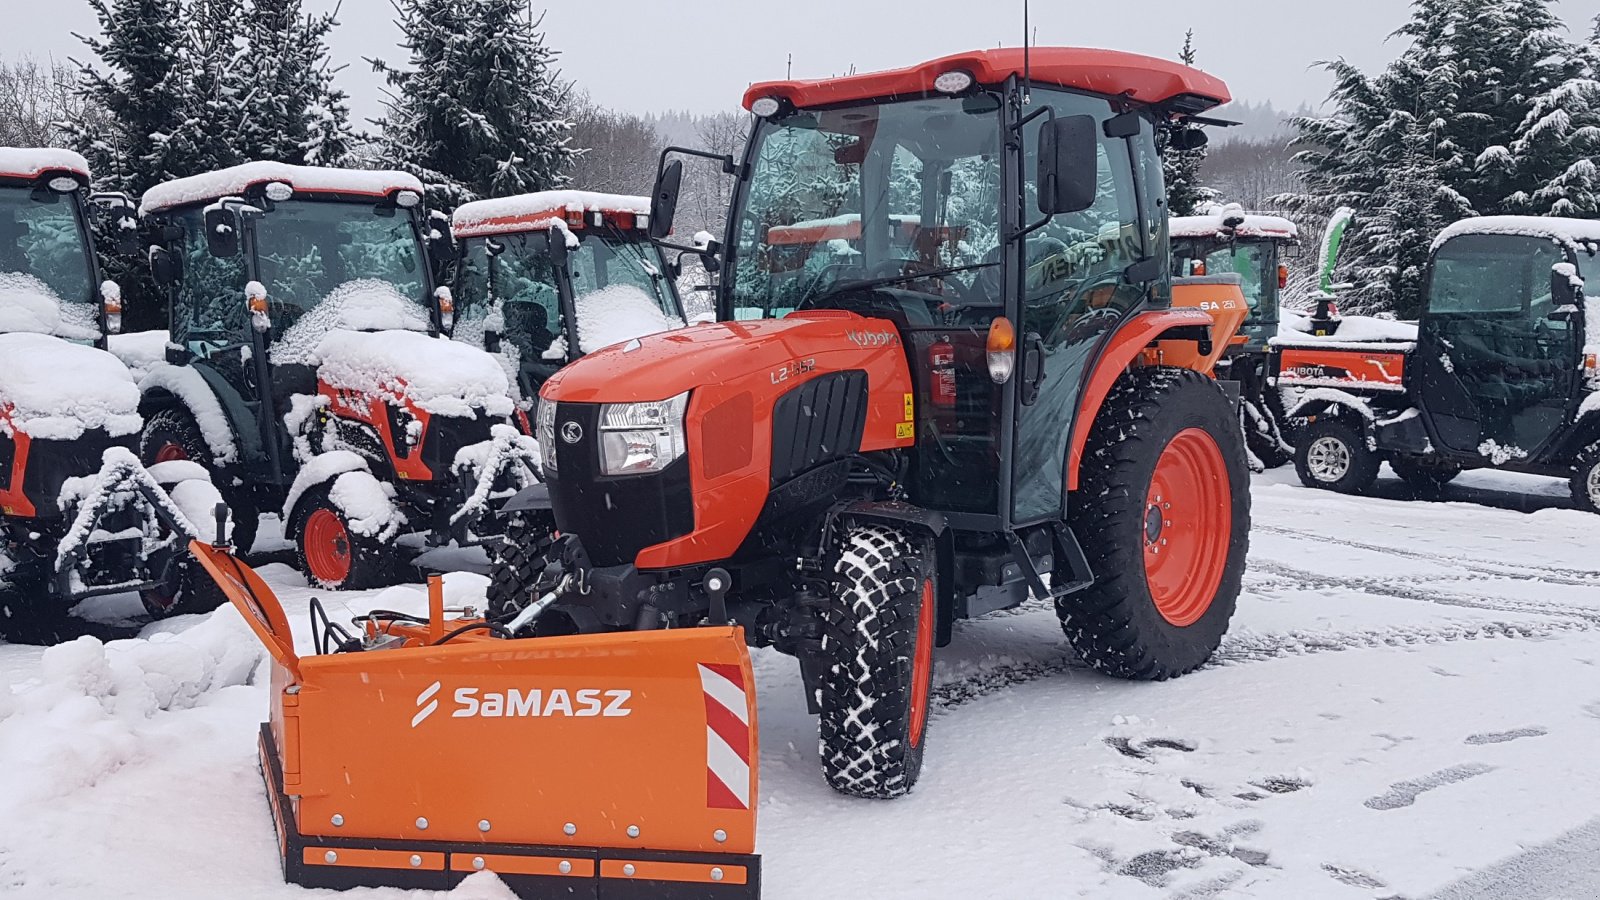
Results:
[545, 278]
[1500, 369]
[1254, 246]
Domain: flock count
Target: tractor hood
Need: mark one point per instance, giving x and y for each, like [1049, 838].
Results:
[664, 365]
[52, 389]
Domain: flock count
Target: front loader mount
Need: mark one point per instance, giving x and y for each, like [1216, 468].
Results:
[598, 766]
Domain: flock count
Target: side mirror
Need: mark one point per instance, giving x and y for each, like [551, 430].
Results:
[444, 303]
[1188, 139]
[711, 256]
[556, 246]
[1069, 165]
[441, 243]
[1566, 287]
[664, 202]
[163, 267]
[222, 230]
[120, 218]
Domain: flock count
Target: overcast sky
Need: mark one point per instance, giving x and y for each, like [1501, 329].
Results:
[647, 55]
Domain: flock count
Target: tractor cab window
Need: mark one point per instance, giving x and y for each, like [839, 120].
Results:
[628, 270]
[209, 309]
[1505, 365]
[305, 250]
[42, 246]
[1254, 263]
[895, 195]
[515, 270]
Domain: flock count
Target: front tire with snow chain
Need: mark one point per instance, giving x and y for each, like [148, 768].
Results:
[1586, 480]
[1163, 515]
[520, 563]
[877, 648]
[332, 554]
[1333, 455]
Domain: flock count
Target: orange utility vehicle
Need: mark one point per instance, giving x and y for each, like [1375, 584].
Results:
[370, 740]
[953, 368]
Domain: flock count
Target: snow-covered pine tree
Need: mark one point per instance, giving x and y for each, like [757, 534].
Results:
[291, 111]
[1182, 167]
[140, 84]
[478, 111]
[210, 55]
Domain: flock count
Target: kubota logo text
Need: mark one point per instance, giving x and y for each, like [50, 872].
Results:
[474, 702]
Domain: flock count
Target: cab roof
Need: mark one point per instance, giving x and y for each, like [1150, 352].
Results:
[235, 181]
[31, 162]
[1144, 79]
[1566, 231]
[538, 212]
[1251, 225]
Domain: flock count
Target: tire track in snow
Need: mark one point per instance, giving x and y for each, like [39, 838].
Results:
[1552, 574]
[1406, 589]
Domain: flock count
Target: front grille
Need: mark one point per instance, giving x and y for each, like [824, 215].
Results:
[614, 516]
[445, 437]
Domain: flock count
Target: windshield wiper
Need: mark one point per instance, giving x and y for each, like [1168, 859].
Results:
[862, 284]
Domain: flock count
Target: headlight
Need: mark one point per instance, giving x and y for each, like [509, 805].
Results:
[636, 438]
[544, 431]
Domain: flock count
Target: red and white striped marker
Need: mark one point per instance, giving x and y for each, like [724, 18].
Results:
[727, 736]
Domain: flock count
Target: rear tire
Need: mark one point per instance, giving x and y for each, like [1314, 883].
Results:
[1586, 480]
[331, 554]
[877, 650]
[1426, 476]
[1333, 455]
[173, 434]
[1164, 472]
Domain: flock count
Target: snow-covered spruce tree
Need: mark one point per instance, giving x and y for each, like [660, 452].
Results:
[1182, 167]
[291, 111]
[210, 55]
[139, 82]
[478, 111]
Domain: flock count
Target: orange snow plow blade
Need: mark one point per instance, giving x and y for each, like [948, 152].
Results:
[603, 766]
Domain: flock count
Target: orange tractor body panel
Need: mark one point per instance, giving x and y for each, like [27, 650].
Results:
[13, 499]
[637, 748]
[736, 371]
[1349, 368]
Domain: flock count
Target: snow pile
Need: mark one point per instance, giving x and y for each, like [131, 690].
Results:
[616, 314]
[1370, 332]
[1210, 224]
[79, 720]
[140, 351]
[536, 212]
[190, 387]
[361, 305]
[188, 485]
[30, 162]
[237, 180]
[1499, 453]
[368, 505]
[439, 376]
[1581, 233]
[29, 305]
[57, 390]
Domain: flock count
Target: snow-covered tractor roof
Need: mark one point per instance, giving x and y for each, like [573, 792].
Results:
[1566, 231]
[544, 210]
[1253, 225]
[235, 181]
[32, 162]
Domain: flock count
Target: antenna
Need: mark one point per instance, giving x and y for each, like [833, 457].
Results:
[789, 73]
[1027, 57]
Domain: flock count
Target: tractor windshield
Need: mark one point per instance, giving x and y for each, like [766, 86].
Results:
[905, 192]
[43, 250]
[1255, 262]
[617, 280]
[306, 250]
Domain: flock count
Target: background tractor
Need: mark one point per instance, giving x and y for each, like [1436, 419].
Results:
[1256, 248]
[971, 379]
[309, 371]
[1502, 373]
[79, 517]
[542, 279]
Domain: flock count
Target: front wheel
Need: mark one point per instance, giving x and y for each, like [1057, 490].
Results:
[1334, 455]
[184, 588]
[1586, 480]
[877, 648]
[1163, 514]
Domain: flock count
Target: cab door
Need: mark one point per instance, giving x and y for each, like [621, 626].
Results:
[1494, 373]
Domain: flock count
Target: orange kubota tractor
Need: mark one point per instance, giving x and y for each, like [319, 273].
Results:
[953, 368]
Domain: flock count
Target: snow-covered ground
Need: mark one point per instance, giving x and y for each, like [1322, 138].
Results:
[1408, 704]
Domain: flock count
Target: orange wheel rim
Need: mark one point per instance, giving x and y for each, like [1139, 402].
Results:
[1188, 527]
[171, 451]
[922, 665]
[327, 546]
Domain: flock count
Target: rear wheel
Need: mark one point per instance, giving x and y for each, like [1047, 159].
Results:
[1333, 455]
[172, 434]
[334, 555]
[1427, 476]
[877, 647]
[1586, 480]
[1163, 514]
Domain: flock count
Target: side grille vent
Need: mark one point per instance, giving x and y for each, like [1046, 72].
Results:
[818, 422]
